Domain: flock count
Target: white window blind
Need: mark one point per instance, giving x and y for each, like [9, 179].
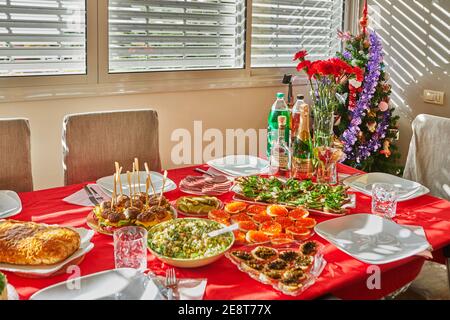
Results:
[282, 27]
[170, 35]
[42, 37]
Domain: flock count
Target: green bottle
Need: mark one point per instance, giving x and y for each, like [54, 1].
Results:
[279, 108]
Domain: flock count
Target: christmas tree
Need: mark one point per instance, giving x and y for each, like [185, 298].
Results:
[365, 122]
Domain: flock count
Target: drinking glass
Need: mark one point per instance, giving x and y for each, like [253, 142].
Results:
[384, 200]
[326, 164]
[130, 248]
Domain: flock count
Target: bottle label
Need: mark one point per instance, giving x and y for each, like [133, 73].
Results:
[302, 168]
[281, 161]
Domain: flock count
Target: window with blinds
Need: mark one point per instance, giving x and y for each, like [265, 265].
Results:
[42, 37]
[170, 35]
[282, 27]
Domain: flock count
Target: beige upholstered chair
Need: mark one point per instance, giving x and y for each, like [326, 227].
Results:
[429, 159]
[15, 155]
[93, 141]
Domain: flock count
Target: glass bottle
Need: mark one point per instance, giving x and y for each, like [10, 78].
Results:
[279, 108]
[295, 116]
[302, 146]
[280, 159]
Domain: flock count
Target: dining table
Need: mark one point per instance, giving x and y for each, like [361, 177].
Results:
[343, 277]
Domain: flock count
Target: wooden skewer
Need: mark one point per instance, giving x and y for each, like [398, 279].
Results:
[147, 186]
[129, 185]
[134, 179]
[162, 189]
[119, 170]
[149, 177]
[113, 197]
[136, 163]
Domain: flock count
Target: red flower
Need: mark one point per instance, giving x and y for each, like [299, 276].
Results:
[304, 65]
[359, 73]
[300, 55]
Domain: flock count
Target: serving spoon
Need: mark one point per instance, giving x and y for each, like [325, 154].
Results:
[219, 232]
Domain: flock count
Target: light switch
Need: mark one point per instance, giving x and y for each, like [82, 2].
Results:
[435, 97]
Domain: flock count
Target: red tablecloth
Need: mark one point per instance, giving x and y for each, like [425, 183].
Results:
[343, 276]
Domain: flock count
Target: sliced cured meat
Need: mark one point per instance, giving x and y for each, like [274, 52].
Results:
[247, 226]
[277, 211]
[284, 221]
[307, 223]
[271, 228]
[298, 214]
[257, 237]
[255, 209]
[298, 233]
[261, 218]
[235, 207]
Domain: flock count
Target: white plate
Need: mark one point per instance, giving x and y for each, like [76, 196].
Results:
[407, 189]
[240, 165]
[99, 286]
[12, 293]
[43, 271]
[10, 204]
[107, 183]
[371, 238]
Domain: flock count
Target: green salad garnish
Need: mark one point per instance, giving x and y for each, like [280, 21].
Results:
[292, 192]
[2, 282]
[187, 239]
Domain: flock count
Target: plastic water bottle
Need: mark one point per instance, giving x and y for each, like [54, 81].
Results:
[279, 108]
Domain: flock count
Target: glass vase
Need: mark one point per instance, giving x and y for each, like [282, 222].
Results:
[323, 126]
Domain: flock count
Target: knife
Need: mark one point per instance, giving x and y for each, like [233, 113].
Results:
[91, 196]
[163, 290]
[97, 196]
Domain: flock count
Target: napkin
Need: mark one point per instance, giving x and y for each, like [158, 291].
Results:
[81, 198]
[418, 230]
[188, 289]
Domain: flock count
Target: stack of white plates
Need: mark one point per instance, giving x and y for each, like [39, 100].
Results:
[407, 189]
[107, 183]
[10, 204]
[240, 165]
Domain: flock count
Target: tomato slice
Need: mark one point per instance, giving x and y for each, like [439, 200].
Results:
[307, 223]
[284, 221]
[298, 214]
[257, 237]
[298, 233]
[277, 211]
[255, 209]
[261, 218]
[235, 207]
[247, 226]
[271, 227]
[240, 217]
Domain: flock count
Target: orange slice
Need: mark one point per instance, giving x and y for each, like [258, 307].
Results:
[257, 237]
[307, 223]
[255, 209]
[298, 214]
[277, 211]
[235, 207]
[261, 218]
[271, 228]
[298, 233]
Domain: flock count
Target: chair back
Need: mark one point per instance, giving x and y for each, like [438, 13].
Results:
[15, 155]
[92, 142]
[429, 157]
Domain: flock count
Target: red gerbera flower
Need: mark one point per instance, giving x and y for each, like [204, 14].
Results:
[304, 65]
[300, 55]
[359, 73]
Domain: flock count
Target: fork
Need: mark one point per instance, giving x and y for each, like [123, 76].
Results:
[171, 282]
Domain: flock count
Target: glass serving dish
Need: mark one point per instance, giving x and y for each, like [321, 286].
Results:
[289, 268]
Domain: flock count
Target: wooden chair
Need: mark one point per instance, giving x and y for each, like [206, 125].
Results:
[15, 155]
[92, 142]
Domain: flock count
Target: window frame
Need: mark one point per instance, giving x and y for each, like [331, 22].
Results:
[97, 50]
[91, 60]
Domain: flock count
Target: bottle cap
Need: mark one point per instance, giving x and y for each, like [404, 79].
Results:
[282, 121]
[280, 95]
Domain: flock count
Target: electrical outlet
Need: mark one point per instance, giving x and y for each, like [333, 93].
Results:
[434, 97]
